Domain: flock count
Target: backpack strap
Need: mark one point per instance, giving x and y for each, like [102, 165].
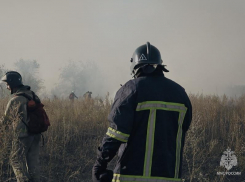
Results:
[29, 97]
[33, 96]
[24, 95]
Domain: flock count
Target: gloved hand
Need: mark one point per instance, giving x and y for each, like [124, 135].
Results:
[107, 176]
[99, 171]
[101, 174]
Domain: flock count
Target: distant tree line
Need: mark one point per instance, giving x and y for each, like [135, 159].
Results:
[80, 77]
[77, 76]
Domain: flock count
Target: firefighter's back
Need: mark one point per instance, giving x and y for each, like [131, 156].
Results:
[154, 148]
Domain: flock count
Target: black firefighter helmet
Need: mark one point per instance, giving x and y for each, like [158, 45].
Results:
[146, 58]
[13, 79]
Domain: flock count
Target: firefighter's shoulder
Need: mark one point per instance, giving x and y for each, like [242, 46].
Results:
[127, 89]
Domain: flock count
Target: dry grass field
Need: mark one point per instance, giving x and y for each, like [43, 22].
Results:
[77, 129]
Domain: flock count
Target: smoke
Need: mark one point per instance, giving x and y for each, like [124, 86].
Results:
[80, 77]
[202, 42]
[29, 70]
[3, 90]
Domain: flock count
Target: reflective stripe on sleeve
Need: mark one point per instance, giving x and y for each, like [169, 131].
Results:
[129, 178]
[117, 135]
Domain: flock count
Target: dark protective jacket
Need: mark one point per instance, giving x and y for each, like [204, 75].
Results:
[148, 122]
[72, 96]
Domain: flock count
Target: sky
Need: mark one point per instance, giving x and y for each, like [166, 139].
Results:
[201, 42]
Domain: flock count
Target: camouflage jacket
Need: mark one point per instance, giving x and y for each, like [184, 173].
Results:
[16, 112]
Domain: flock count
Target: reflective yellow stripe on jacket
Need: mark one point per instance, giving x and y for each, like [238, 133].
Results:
[131, 178]
[153, 106]
[117, 135]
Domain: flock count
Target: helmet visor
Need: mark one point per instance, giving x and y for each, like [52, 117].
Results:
[4, 78]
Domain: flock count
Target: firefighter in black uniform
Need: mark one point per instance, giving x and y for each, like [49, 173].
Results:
[148, 122]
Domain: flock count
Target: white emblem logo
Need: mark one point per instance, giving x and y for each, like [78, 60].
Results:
[142, 57]
[228, 160]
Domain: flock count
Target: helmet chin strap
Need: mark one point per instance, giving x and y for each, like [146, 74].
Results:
[12, 90]
[135, 73]
[144, 69]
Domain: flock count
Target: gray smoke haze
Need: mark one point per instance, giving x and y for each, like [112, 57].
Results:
[80, 77]
[201, 42]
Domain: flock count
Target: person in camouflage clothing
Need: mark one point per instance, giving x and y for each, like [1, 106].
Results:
[24, 157]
